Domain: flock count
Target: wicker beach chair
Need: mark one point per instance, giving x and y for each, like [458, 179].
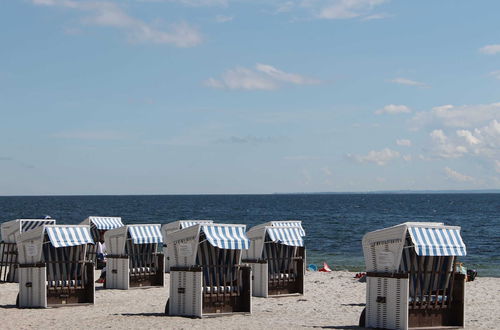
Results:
[206, 274]
[171, 227]
[8, 247]
[277, 257]
[411, 277]
[52, 266]
[99, 225]
[133, 259]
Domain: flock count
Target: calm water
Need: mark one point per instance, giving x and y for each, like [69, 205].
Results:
[334, 224]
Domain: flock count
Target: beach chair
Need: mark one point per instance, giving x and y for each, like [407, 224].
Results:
[133, 259]
[8, 247]
[169, 228]
[52, 266]
[99, 225]
[206, 276]
[277, 258]
[411, 277]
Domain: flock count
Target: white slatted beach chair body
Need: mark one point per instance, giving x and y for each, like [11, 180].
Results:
[44, 280]
[128, 261]
[393, 273]
[8, 247]
[171, 227]
[98, 224]
[196, 278]
[273, 245]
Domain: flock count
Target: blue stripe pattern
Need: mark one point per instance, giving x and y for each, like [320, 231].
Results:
[226, 237]
[291, 236]
[295, 223]
[190, 223]
[437, 241]
[29, 224]
[106, 223]
[145, 234]
[63, 236]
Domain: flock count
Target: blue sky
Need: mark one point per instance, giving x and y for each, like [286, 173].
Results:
[221, 96]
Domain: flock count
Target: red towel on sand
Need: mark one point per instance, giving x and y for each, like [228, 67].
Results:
[325, 268]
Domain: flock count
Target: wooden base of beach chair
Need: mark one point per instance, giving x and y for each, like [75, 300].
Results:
[147, 276]
[288, 282]
[441, 318]
[72, 292]
[189, 296]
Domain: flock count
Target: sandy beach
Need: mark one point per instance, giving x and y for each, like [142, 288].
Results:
[332, 300]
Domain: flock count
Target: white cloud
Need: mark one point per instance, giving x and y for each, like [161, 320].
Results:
[407, 158]
[403, 142]
[249, 139]
[490, 49]
[408, 82]
[263, 77]
[393, 109]
[110, 14]
[443, 147]
[223, 18]
[380, 158]
[467, 135]
[345, 9]
[456, 176]
[375, 17]
[495, 74]
[458, 116]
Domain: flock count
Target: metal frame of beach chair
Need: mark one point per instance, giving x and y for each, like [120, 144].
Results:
[133, 260]
[411, 277]
[171, 227]
[99, 224]
[277, 258]
[53, 271]
[8, 247]
[206, 274]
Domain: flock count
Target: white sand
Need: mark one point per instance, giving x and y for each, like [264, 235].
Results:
[332, 300]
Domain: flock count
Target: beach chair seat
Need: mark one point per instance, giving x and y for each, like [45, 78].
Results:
[8, 246]
[64, 283]
[277, 258]
[133, 259]
[220, 289]
[411, 277]
[206, 274]
[52, 266]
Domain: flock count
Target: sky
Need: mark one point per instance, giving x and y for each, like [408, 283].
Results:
[222, 96]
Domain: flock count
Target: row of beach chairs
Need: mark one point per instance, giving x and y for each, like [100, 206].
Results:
[412, 280]
[54, 263]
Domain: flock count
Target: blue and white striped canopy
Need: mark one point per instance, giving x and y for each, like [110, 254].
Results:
[226, 237]
[190, 223]
[106, 223]
[291, 236]
[144, 234]
[29, 224]
[437, 241]
[290, 223]
[63, 236]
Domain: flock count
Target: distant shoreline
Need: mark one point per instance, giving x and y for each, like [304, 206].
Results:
[381, 192]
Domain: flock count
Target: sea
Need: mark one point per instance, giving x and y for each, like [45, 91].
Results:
[334, 223]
